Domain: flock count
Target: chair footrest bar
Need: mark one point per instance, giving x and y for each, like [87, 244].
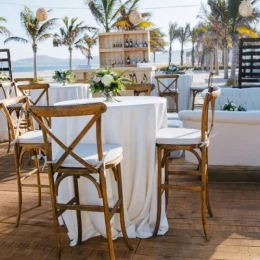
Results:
[190, 173]
[179, 187]
[115, 208]
[35, 185]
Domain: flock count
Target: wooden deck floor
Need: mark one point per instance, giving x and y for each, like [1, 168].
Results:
[234, 229]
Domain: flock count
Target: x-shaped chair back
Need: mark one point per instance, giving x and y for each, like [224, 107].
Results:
[170, 86]
[18, 123]
[9, 92]
[140, 88]
[3, 90]
[43, 92]
[95, 110]
[209, 100]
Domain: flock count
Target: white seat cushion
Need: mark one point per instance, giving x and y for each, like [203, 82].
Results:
[88, 152]
[198, 88]
[173, 116]
[174, 123]
[31, 137]
[178, 136]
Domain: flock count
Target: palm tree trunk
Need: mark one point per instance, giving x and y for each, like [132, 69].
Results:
[216, 59]
[182, 52]
[193, 55]
[211, 60]
[34, 47]
[170, 54]
[154, 56]
[88, 57]
[234, 56]
[70, 51]
[225, 61]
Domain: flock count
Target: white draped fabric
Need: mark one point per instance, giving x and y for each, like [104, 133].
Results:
[132, 123]
[59, 92]
[185, 96]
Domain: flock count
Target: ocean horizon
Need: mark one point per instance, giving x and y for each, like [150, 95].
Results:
[49, 67]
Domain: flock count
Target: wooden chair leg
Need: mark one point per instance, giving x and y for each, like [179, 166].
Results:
[78, 213]
[207, 185]
[166, 169]
[107, 215]
[159, 195]
[37, 166]
[177, 103]
[17, 151]
[122, 214]
[55, 218]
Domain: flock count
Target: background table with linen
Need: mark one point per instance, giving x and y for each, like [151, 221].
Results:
[185, 95]
[132, 123]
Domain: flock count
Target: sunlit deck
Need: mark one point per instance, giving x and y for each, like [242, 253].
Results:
[234, 229]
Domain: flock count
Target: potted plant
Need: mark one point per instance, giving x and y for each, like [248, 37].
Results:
[64, 76]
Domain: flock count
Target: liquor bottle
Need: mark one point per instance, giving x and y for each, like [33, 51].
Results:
[136, 44]
[145, 44]
[144, 61]
[117, 43]
[126, 43]
[114, 45]
[128, 62]
[131, 43]
[120, 43]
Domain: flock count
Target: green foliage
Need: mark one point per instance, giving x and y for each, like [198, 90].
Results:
[107, 80]
[174, 69]
[231, 82]
[230, 106]
[64, 76]
[3, 77]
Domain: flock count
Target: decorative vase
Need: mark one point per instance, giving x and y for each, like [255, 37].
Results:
[109, 96]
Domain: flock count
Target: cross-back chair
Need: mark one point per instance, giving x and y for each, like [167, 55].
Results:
[140, 88]
[23, 141]
[81, 161]
[196, 89]
[190, 140]
[42, 94]
[168, 87]
[21, 81]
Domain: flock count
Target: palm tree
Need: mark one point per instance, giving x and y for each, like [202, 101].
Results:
[36, 32]
[69, 35]
[196, 35]
[86, 43]
[184, 34]
[157, 42]
[3, 29]
[226, 13]
[105, 12]
[173, 34]
[123, 22]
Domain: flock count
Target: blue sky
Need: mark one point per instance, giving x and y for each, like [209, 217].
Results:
[163, 12]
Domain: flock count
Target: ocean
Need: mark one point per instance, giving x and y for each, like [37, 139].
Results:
[49, 67]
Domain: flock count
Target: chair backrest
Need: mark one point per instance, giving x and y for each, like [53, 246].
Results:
[140, 88]
[210, 80]
[94, 110]
[43, 92]
[18, 123]
[167, 83]
[3, 90]
[23, 81]
[209, 101]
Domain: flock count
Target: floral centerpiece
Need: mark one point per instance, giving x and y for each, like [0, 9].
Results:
[230, 106]
[3, 77]
[108, 83]
[64, 76]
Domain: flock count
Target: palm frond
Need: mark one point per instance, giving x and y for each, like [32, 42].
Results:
[16, 39]
[46, 26]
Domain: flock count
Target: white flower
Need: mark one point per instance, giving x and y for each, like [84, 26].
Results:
[107, 80]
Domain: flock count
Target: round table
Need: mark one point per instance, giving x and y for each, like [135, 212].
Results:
[59, 92]
[132, 123]
[185, 95]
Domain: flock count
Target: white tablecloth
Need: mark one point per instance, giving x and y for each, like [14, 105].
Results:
[59, 92]
[132, 123]
[185, 97]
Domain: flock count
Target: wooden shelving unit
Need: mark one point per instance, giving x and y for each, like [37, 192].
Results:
[5, 63]
[249, 62]
[117, 56]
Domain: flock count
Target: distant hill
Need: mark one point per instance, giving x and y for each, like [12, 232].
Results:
[44, 60]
